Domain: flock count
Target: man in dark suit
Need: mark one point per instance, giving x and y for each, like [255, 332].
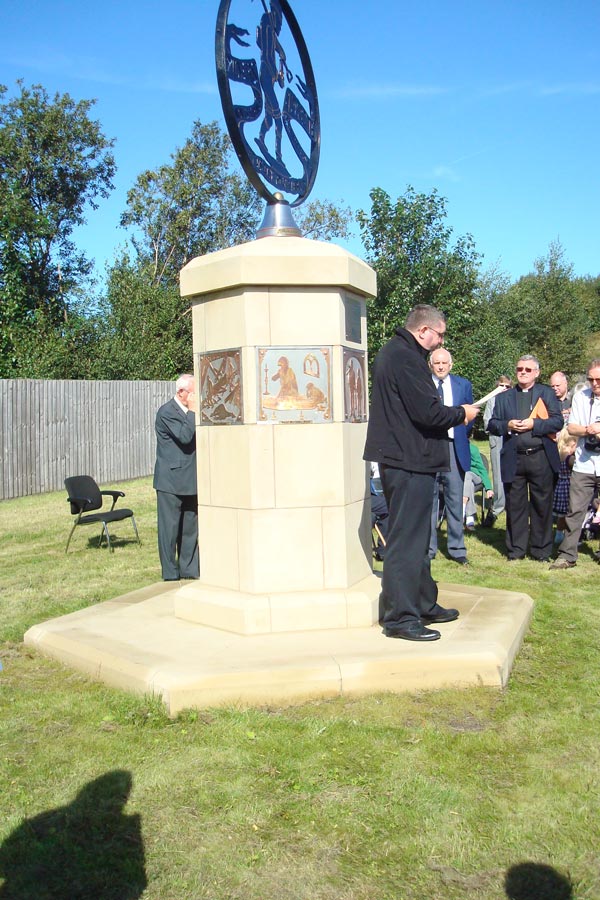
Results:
[453, 391]
[175, 483]
[527, 417]
[406, 437]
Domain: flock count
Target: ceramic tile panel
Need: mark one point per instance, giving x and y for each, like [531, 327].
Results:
[294, 384]
[220, 391]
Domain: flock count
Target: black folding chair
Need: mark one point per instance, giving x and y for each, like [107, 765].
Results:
[84, 495]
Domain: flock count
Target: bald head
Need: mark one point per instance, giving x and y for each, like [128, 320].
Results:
[440, 362]
[559, 384]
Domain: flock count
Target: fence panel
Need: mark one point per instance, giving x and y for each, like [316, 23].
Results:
[52, 429]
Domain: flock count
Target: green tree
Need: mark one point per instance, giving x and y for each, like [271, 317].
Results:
[54, 163]
[147, 331]
[199, 203]
[588, 291]
[191, 206]
[408, 243]
[68, 349]
[322, 220]
[194, 205]
[544, 314]
[489, 349]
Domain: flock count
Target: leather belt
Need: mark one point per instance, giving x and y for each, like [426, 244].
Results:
[529, 451]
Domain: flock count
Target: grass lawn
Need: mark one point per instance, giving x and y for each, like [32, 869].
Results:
[429, 796]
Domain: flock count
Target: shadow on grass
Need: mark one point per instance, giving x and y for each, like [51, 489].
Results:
[535, 881]
[87, 850]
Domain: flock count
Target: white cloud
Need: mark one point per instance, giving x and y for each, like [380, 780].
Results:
[533, 89]
[95, 71]
[385, 91]
[447, 173]
[582, 89]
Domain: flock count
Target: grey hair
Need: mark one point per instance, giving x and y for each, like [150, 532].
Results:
[530, 358]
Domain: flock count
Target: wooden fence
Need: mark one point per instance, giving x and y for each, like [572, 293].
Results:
[52, 429]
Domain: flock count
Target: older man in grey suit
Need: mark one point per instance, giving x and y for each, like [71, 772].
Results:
[175, 483]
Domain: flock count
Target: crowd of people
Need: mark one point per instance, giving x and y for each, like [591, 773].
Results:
[544, 456]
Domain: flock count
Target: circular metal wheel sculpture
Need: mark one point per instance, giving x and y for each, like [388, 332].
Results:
[269, 98]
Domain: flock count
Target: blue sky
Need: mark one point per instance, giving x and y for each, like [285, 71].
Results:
[495, 104]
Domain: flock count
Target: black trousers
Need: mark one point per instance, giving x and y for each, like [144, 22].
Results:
[529, 507]
[408, 590]
[178, 535]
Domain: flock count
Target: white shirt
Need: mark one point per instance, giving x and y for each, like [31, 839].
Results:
[582, 414]
[447, 392]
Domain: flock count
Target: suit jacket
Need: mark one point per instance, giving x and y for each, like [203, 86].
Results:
[462, 392]
[175, 469]
[505, 408]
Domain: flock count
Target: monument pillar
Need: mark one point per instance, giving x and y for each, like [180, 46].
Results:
[281, 371]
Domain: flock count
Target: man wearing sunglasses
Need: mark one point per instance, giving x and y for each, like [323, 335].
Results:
[528, 417]
[584, 424]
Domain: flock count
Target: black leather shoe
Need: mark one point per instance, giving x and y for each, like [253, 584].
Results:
[413, 632]
[439, 615]
[461, 560]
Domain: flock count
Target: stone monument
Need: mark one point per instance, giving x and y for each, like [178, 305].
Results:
[286, 601]
[280, 361]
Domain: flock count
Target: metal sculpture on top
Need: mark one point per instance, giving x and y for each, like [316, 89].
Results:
[269, 99]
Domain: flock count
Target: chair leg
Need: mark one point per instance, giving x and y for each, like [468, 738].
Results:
[106, 532]
[381, 537]
[136, 531]
[70, 536]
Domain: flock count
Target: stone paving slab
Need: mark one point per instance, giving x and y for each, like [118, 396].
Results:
[135, 642]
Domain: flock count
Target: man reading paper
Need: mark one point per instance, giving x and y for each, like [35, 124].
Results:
[407, 437]
[528, 417]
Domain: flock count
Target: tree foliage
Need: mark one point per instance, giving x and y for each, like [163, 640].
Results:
[408, 243]
[147, 331]
[322, 220]
[199, 203]
[194, 205]
[544, 314]
[191, 206]
[54, 163]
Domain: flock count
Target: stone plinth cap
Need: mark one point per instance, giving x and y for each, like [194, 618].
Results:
[278, 261]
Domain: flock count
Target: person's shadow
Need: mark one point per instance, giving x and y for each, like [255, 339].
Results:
[536, 881]
[88, 850]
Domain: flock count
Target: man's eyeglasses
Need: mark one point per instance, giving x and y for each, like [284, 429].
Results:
[525, 369]
[440, 334]
[592, 380]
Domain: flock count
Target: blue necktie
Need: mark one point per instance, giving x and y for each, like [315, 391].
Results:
[440, 389]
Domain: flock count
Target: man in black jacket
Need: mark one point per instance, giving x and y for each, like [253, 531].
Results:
[175, 483]
[408, 437]
[527, 417]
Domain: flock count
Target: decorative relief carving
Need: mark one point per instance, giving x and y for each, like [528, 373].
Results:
[355, 386]
[294, 384]
[221, 387]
